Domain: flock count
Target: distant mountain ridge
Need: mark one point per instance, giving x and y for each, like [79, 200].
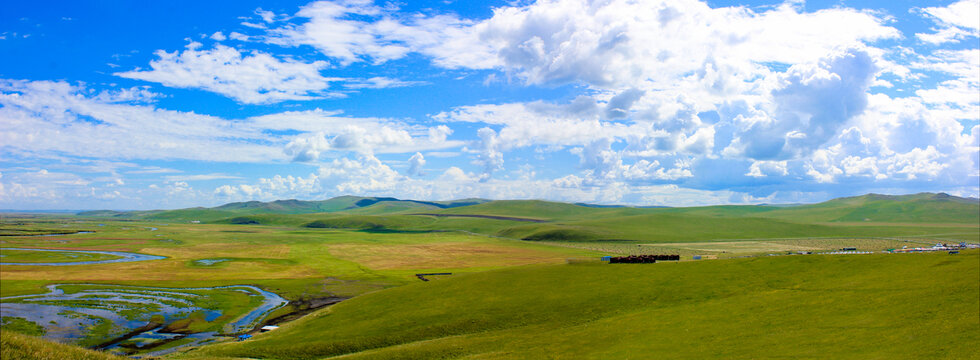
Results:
[922, 207]
[347, 203]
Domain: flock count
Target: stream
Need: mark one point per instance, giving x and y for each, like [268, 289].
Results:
[94, 314]
[124, 257]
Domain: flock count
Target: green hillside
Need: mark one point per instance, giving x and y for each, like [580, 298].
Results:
[917, 208]
[870, 306]
[391, 207]
[22, 347]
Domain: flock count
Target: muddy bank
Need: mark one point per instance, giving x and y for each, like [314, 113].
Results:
[301, 308]
[149, 326]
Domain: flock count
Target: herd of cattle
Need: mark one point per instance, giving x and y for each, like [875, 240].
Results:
[642, 259]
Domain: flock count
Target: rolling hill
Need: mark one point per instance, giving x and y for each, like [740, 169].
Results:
[916, 208]
[866, 215]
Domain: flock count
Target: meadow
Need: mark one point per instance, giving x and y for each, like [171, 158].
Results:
[526, 281]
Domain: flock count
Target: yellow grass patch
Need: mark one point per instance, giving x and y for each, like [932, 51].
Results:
[443, 255]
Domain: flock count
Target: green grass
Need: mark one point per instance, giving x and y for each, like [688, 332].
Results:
[872, 306]
[23, 347]
[21, 325]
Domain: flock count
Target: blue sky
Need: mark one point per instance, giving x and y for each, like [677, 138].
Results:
[119, 105]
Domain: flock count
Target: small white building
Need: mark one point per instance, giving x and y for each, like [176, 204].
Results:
[268, 328]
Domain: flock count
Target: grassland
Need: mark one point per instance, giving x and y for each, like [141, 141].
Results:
[518, 279]
[858, 306]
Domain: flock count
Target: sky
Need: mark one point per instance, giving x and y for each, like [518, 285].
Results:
[161, 105]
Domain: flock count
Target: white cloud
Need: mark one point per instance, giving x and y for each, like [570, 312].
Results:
[364, 174]
[956, 96]
[337, 36]
[611, 44]
[455, 174]
[379, 82]
[252, 79]
[238, 36]
[324, 131]
[956, 22]
[808, 108]
[488, 152]
[767, 168]
[415, 164]
[603, 44]
[266, 15]
[44, 117]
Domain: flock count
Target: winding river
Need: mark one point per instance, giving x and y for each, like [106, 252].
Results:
[69, 316]
[124, 257]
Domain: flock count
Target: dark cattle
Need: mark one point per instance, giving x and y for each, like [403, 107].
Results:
[642, 259]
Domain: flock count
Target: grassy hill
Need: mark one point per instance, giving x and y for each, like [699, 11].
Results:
[870, 306]
[22, 347]
[917, 208]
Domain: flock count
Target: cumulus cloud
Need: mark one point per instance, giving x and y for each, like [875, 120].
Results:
[415, 164]
[255, 78]
[324, 132]
[603, 44]
[767, 168]
[810, 106]
[274, 188]
[489, 156]
[364, 174]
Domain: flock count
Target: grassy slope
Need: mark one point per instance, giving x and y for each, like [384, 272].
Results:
[390, 207]
[920, 208]
[22, 347]
[873, 306]
[829, 219]
[658, 228]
